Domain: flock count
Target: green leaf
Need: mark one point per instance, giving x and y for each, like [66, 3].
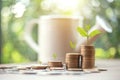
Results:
[87, 27]
[94, 33]
[72, 45]
[82, 32]
[54, 55]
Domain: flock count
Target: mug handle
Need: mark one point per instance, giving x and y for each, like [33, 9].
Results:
[27, 35]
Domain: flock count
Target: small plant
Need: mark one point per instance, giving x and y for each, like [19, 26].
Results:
[85, 32]
[40, 62]
[72, 45]
[54, 63]
[54, 55]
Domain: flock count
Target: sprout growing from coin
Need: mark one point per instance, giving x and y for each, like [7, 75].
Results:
[72, 45]
[84, 32]
[54, 55]
[40, 62]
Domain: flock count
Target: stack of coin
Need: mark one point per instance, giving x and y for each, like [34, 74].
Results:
[55, 64]
[73, 60]
[38, 67]
[88, 57]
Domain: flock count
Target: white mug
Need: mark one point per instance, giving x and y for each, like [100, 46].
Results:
[54, 36]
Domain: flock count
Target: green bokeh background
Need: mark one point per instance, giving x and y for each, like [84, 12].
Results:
[14, 49]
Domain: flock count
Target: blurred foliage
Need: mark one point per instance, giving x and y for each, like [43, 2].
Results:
[14, 47]
[110, 9]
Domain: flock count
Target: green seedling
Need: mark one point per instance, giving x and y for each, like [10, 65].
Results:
[40, 62]
[72, 45]
[84, 32]
[54, 55]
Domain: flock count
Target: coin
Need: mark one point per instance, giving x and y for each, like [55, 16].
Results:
[39, 67]
[73, 60]
[55, 64]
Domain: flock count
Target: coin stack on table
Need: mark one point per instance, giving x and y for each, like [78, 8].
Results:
[88, 57]
[73, 60]
[55, 64]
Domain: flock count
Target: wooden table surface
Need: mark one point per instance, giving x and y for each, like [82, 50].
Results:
[112, 73]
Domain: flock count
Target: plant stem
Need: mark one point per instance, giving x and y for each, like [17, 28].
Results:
[87, 38]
